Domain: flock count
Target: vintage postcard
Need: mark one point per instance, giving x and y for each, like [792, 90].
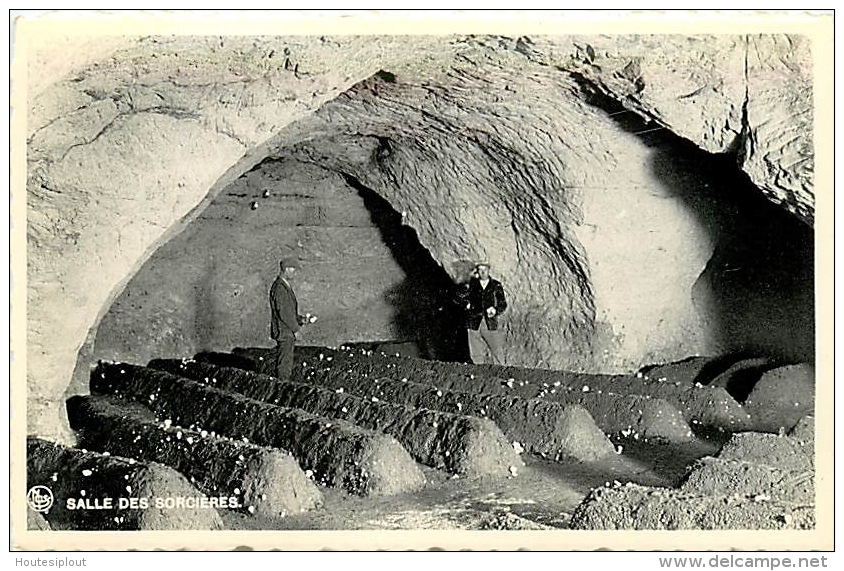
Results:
[391, 280]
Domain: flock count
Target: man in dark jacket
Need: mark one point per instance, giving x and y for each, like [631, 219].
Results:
[286, 320]
[483, 299]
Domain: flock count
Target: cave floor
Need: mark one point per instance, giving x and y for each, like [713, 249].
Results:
[543, 494]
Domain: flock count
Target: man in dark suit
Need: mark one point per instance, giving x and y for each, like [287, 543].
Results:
[483, 299]
[286, 320]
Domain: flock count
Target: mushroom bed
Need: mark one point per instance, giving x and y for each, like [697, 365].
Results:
[360, 440]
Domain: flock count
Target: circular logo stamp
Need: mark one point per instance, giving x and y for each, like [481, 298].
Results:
[39, 498]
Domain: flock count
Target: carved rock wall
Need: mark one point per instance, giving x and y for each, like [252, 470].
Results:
[129, 148]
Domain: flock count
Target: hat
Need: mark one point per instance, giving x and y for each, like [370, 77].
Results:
[482, 263]
[289, 263]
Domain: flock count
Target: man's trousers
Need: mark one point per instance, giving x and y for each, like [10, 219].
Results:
[483, 339]
[284, 355]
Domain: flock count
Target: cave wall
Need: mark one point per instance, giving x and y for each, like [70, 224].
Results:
[655, 234]
[748, 94]
[207, 288]
[541, 200]
[170, 118]
[757, 293]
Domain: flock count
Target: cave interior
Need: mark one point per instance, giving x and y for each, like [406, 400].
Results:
[635, 252]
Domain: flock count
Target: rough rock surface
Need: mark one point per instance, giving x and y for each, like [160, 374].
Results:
[265, 481]
[751, 93]
[781, 397]
[778, 154]
[456, 443]
[338, 453]
[639, 507]
[715, 476]
[532, 191]
[774, 450]
[73, 474]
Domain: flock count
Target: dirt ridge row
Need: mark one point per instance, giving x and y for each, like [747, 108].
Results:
[91, 491]
[545, 428]
[265, 481]
[634, 416]
[700, 405]
[455, 443]
[756, 481]
[340, 454]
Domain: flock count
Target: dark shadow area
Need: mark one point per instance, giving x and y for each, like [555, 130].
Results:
[689, 372]
[760, 283]
[741, 384]
[423, 308]
[757, 290]
[715, 367]
[671, 460]
[231, 360]
[740, 379]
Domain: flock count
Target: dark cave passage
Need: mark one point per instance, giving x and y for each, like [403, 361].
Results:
[424, 310]
[756, 293]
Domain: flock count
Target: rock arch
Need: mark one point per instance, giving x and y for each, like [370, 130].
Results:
[481, 141]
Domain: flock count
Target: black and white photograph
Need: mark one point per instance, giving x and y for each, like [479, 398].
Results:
[307, 272]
